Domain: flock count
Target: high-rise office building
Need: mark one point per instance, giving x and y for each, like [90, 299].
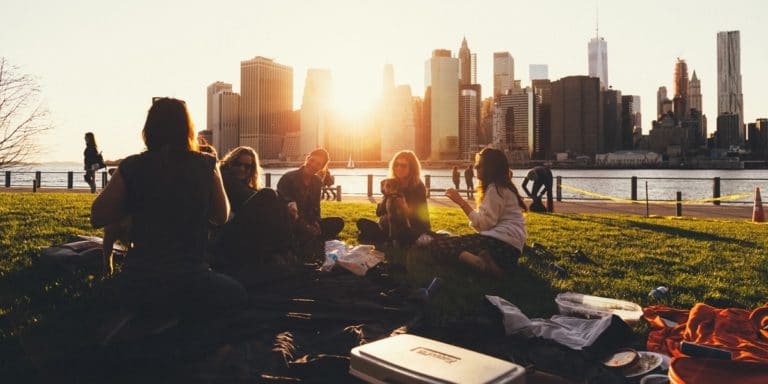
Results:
[694, 93]
[538, 72]
[729, 96]
[636, 110]
[543, 89]
[598, 59]
[442, 81]
[466, 64]
[680, 100]
[503, 73]
[225, 116]
[469, 120]
[613, 108]
[212, 90]
[577, 116]
[395, 118]
[266, 105]
[516, 120]
[315, 110]
[661, 100]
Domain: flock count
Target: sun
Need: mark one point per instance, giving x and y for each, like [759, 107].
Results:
[354, 95]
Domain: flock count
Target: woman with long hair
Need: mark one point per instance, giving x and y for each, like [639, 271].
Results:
[260, 230]
[171, 191]
[92, 160]
[498, 219]
[405, 168]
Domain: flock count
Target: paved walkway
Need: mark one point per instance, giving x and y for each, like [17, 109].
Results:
[723, 211]
[732, 211]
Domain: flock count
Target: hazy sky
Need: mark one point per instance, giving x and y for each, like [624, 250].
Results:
[99, 62]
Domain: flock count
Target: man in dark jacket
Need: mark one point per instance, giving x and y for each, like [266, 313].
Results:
[302, 187]
[542, 183]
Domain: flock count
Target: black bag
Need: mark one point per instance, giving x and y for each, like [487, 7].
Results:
[100, 161]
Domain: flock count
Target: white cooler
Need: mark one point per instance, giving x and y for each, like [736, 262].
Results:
[413, 359]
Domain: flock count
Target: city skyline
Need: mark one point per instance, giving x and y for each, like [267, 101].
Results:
[98, 67]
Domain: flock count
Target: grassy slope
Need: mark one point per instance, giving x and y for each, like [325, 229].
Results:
[719, 262]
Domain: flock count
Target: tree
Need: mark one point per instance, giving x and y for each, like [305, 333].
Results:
[22, 115]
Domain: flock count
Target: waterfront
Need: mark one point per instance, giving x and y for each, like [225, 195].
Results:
[663, 184]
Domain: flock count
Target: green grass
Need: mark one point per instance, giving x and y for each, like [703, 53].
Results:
[715, 261]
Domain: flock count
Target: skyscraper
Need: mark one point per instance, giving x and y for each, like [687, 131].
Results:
[538, 72]
[680, 100]
[503, 73]
[577, 116]
[661, 100]
[598, 59]
[211, 91]
[729, 96]
[266, 105]
[442, 81]
[394, 117]
[466, 63]
[694, 93]
[315, 107]
[469, 113]
[225, 116]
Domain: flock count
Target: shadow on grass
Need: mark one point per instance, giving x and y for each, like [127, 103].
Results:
[658, 228]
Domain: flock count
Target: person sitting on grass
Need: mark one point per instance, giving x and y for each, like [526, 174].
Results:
[302, 188]
[498, 219]
[259, 231]
[406, 170]
[171, 191]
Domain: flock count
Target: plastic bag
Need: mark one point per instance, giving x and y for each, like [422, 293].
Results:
[334, 250]
[360, 259]
[357, 260]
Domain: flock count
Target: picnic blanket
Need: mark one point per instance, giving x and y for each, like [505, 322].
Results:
[739, 331]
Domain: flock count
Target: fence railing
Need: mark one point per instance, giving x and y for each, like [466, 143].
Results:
[715, 190]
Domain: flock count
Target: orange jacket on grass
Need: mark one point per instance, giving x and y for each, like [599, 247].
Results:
[736, 330]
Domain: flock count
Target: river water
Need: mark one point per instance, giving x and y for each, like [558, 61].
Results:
[577, 183]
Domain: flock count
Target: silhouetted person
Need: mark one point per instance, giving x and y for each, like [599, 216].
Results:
[456, 176]
[329, 193]
[542, 183]
[172, 192]
[469, 177]
[92, 161]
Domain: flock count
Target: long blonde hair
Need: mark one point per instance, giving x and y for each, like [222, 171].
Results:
[233, 155]
[414, 166]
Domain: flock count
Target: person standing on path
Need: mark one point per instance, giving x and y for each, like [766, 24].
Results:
[469, 177]
[456, 176]
[92, 161]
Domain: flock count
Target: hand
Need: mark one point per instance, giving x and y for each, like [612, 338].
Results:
[454, 195]
[108, 266]
[293, 210]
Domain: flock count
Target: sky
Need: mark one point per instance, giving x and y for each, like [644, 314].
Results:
[99, 63]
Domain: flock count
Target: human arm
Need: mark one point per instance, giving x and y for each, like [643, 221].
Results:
[219, 204]
[525, 187]
[490, 210]
[454, 195]
[109, 205]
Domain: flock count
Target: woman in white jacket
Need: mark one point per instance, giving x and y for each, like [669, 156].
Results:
[498, 219]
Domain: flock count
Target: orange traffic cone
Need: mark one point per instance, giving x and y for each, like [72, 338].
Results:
[758, 214]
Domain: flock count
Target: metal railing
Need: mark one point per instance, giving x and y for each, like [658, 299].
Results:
[723, 190]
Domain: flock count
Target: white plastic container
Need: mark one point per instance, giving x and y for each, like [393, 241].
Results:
[413, 359]
[578, 304]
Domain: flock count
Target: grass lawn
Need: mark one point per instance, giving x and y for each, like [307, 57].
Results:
[719, 262]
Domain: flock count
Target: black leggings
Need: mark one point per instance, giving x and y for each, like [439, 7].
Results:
[449, 248]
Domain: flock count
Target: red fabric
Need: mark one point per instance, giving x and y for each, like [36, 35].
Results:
[732, 329]
[688, 370]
